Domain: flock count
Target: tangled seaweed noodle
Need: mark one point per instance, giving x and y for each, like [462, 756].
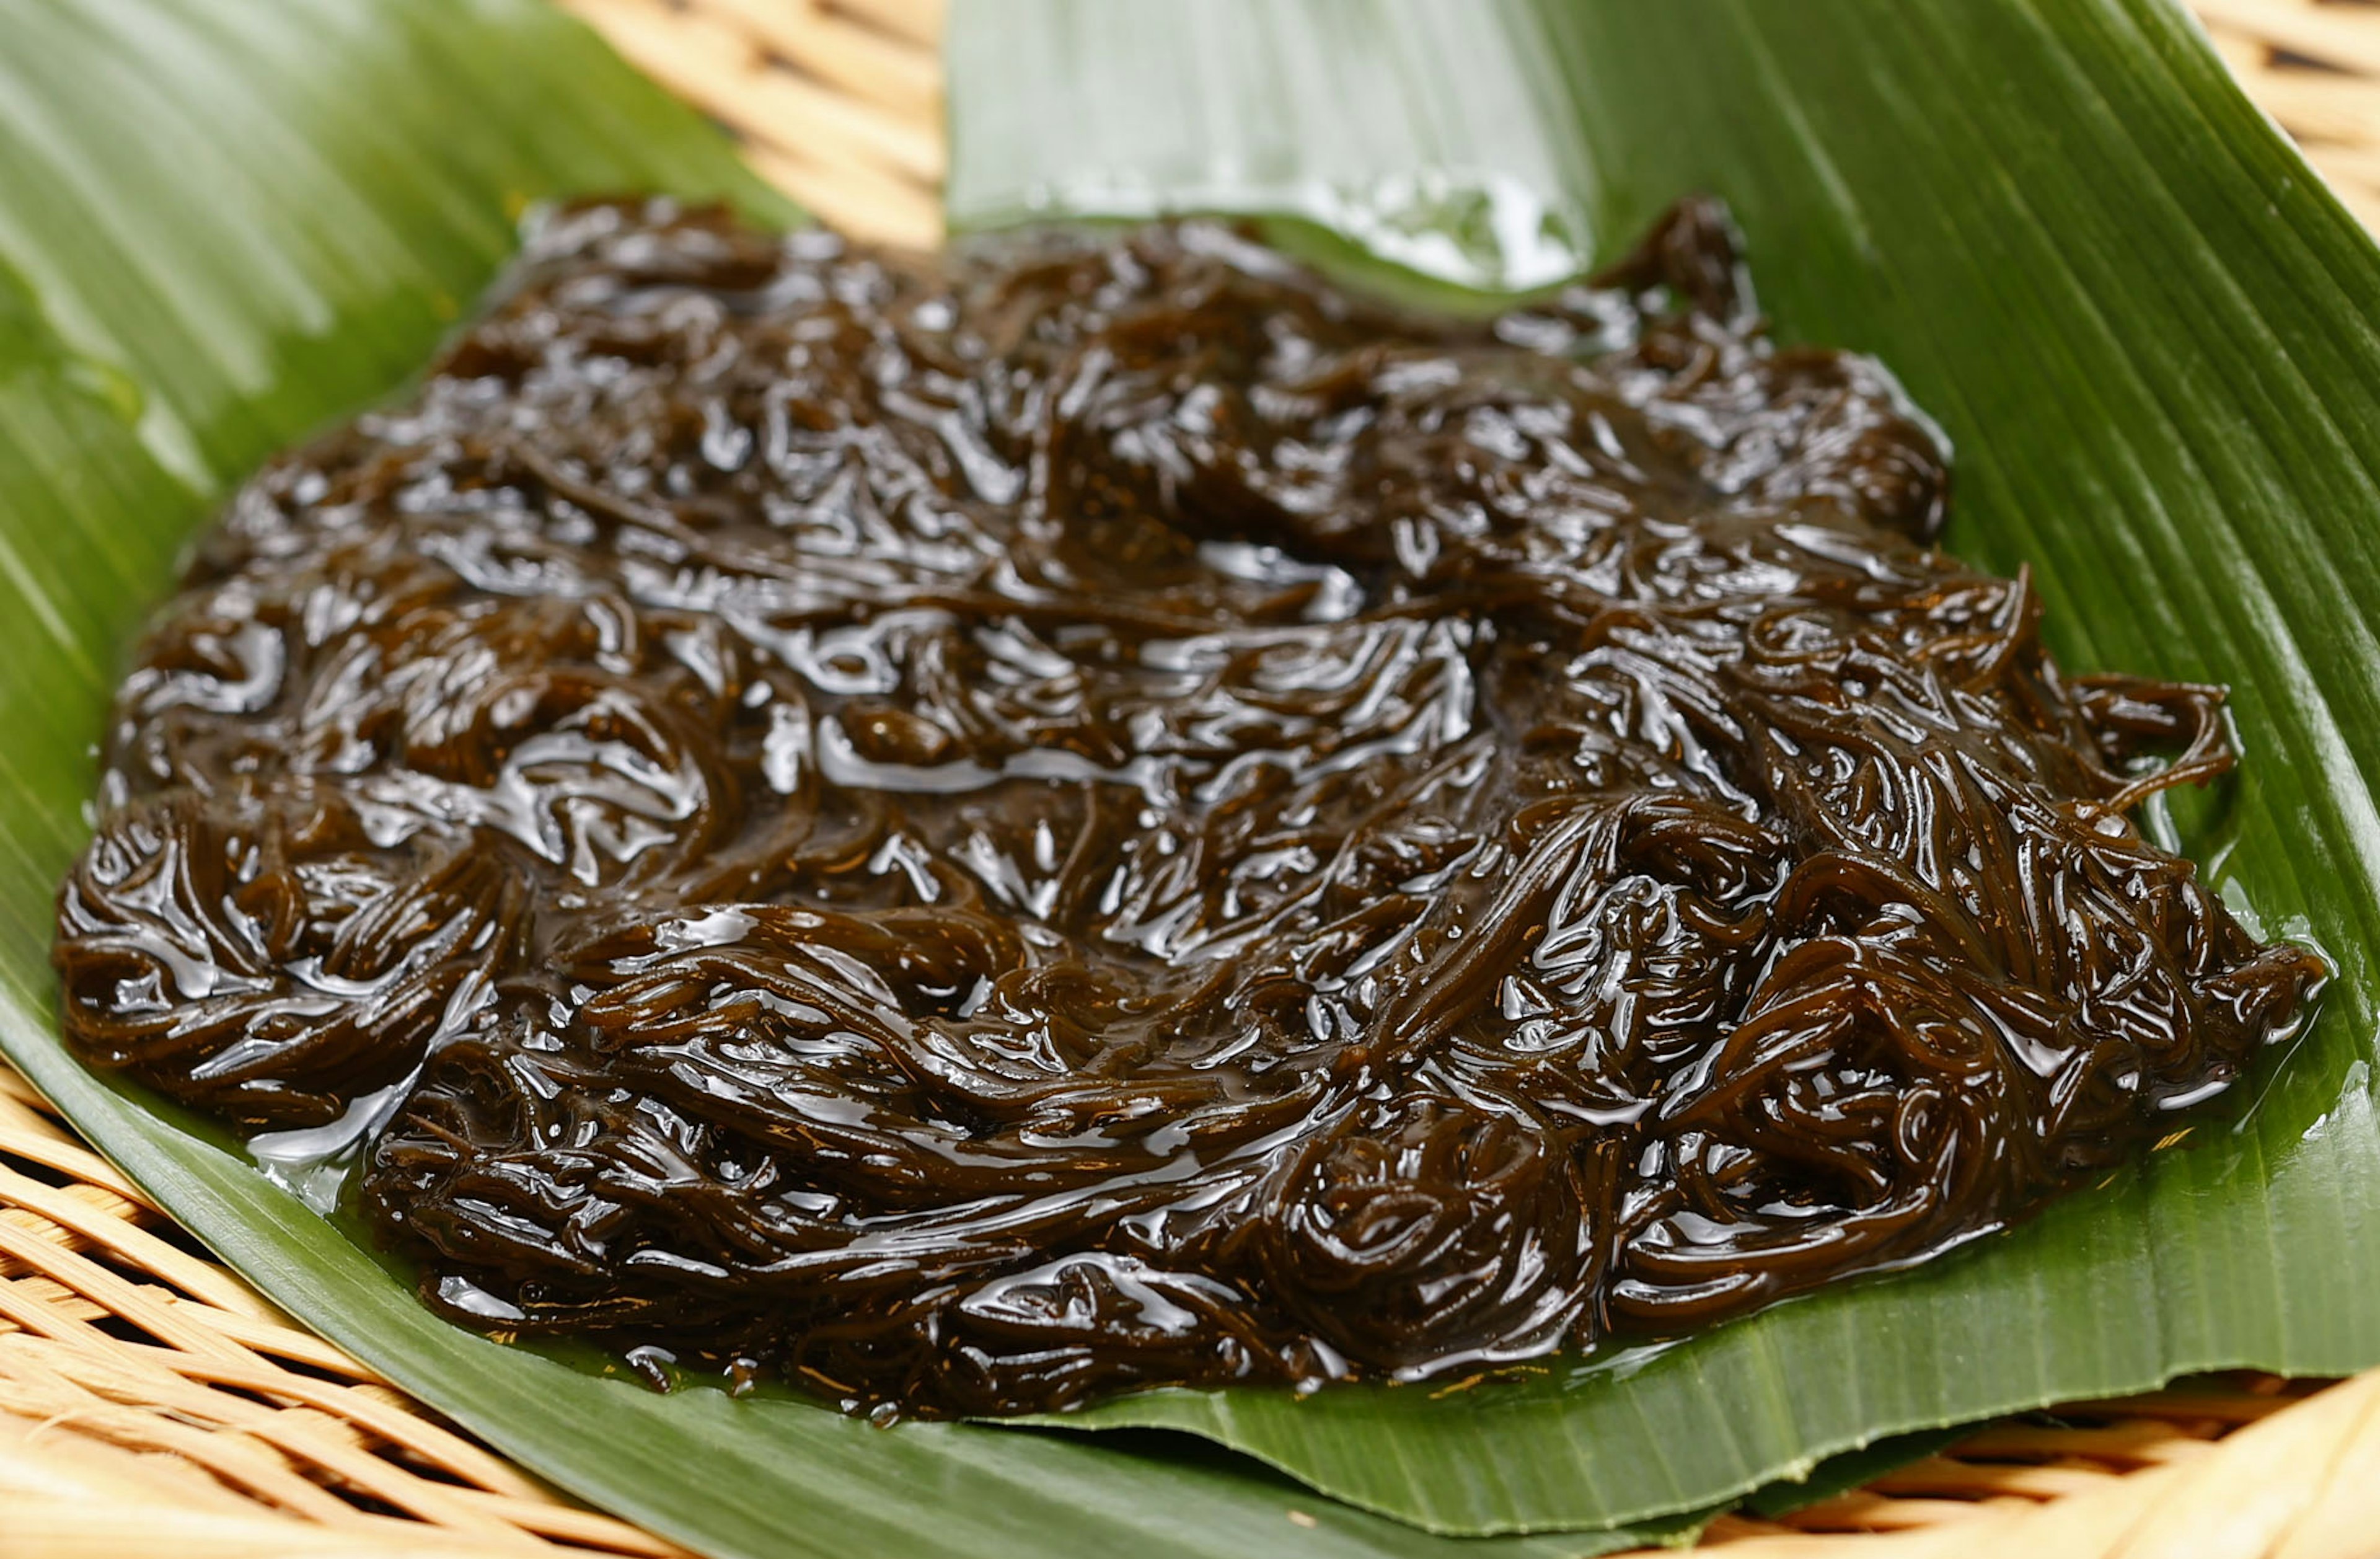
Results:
[1100, 813]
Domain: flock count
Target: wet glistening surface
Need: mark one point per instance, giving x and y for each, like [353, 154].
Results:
[980, 832]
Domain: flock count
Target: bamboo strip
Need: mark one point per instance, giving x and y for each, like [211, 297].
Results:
[2343, 36]
[892, 72]
[918, 21]
[2298, 1484]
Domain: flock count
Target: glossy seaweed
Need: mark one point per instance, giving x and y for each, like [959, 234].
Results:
[1096, 812]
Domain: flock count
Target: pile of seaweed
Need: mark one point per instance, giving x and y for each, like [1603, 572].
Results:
[1096, 812]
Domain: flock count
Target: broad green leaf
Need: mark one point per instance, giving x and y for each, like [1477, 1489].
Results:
[2150, 333]
[222, 223]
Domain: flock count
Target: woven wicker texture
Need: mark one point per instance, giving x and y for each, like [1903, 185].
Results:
[2315, 66]
[151, 1403]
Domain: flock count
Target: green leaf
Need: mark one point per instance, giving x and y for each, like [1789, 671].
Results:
[222, 223]
[2150, 333]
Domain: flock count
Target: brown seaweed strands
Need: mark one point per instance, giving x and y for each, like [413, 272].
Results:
[982, 831]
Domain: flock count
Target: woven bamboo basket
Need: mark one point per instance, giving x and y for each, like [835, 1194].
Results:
[151, 1403]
